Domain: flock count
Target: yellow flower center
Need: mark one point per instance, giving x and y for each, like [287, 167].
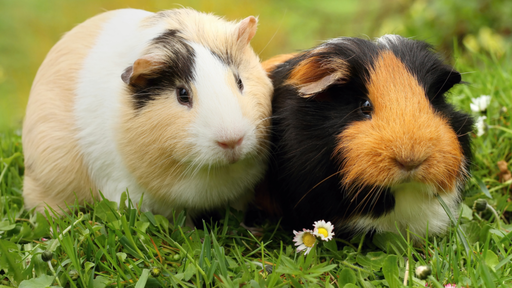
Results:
[323, 231]
[308, 239]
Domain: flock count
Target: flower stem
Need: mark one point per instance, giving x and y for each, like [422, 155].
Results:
[356, 267]
[53, 271]
[496, 216]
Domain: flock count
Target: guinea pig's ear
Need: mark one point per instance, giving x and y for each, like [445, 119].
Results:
[246, 30]
[142, 69]
[445, 81]
[314, 74]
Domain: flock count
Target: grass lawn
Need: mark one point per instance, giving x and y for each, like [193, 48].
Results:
[110, 246]
[103, 245]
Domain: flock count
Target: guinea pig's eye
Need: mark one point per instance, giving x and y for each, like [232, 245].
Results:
[239, 83]
[184, 97]
[366, 108]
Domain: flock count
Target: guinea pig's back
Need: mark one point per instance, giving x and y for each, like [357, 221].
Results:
[56, 170]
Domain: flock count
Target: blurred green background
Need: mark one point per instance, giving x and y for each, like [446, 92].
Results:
[29, 28]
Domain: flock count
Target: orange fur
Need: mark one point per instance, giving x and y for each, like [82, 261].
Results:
[314, 74]
[142, 69]
[271, 64]
[374, 148]
[314, 68]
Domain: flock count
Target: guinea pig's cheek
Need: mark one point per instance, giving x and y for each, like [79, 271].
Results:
[444, 166]
[362, 158]
[372, 153]
[153, 141]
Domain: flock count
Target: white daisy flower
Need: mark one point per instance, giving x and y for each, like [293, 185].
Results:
[323, 230]
[305, 240]
[480, 104]
[480, 125]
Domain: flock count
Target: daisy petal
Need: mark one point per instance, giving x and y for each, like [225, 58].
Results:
[480, 104]
[324, 230]
[304, 240]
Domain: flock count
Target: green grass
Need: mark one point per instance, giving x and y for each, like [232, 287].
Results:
[110, 246]
[103, 245]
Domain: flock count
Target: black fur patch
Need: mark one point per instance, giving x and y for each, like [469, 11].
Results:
[227, 58]
[178, 69]
[303, 177]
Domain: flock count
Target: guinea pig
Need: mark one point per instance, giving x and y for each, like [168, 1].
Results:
[173, 106]
[364, 137]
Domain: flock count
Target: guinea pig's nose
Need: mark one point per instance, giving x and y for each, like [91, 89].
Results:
[231, 143]
[409, 164]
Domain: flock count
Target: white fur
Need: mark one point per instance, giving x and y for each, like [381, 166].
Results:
[386, 40]
[121, 42]
[416, 207]
[389, 39]
[209, 187]
[219, 118]
[219, 113]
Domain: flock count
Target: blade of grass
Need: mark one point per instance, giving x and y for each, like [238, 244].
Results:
[461, 234]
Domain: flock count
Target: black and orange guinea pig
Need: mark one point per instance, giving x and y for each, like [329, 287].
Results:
[364, 137]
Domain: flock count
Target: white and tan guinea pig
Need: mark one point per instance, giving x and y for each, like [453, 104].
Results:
[173, 105]
[364, 137]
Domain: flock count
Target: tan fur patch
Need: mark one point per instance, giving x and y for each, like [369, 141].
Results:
[152, 145]
[271, 64]
[404, 127]
[142, 69]
[55, 171]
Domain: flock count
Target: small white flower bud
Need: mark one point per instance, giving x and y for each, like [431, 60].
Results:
[422, 272]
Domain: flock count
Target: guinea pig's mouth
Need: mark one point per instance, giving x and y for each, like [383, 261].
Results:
[233, 158]
[408, 177]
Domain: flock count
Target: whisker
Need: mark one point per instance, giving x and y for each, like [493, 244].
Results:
[325, 179]
[376, 197]
[275, 33]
